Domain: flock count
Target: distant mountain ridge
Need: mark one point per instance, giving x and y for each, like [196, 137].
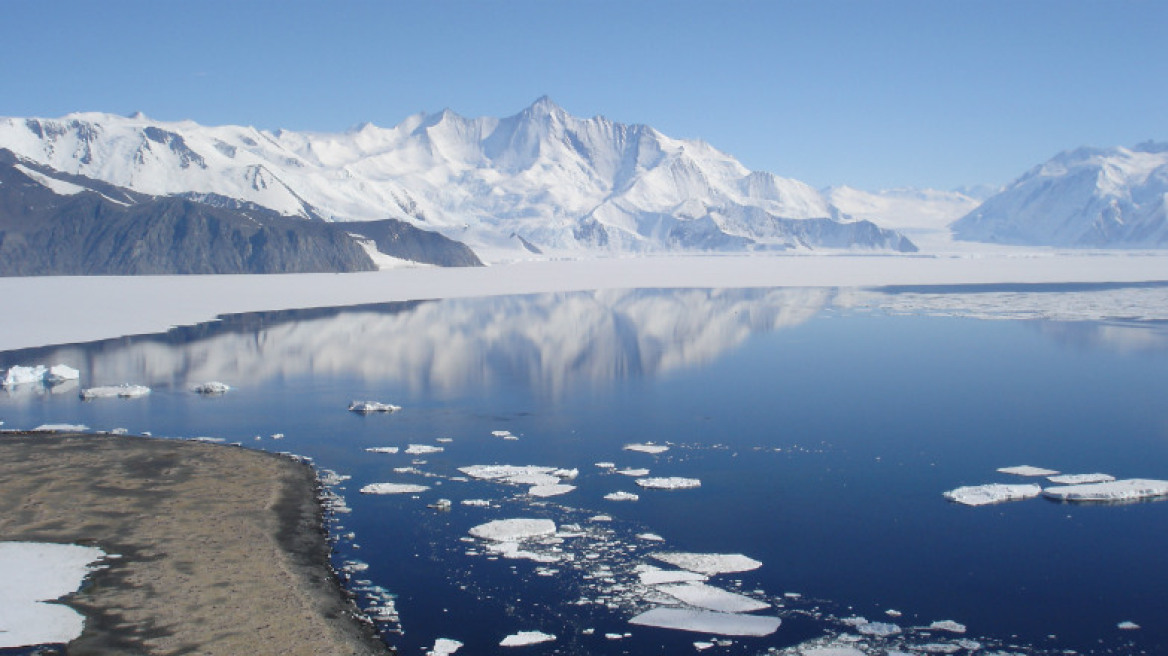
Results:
[1083, 198]
[539, 181]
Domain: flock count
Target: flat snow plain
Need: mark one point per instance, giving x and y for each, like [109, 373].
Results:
[42, 311]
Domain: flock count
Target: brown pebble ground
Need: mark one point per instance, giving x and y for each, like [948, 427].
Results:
[223, 549]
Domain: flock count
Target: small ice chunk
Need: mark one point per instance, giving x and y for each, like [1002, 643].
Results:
[382, 449]
[650, 575]
[393, 488]
[444, 440]
[947, 625]
[702, 645]
[668, 483]
[441, 504]
[891, 612]
[600, 518]
[61, 428]
[1127, 626]
[633, 472]
[444, 647]
[419, 449]
[708, 563]
[211, 387]
[20, 375]
[647, 447]
[123, 391]
[708, 621]
[60, 373]
[622, 496]
[606, 465]
[1027, 470]
[982, 495]
[480, 503]
[1128, 489]
[650, 537]
[705, 596]
[1080, 479]
[500, 433]
[509, 530]
[366, 407]
[524, 638]
[878, 629]
[553, 490]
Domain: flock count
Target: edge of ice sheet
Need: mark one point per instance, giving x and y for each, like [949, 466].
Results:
[35, 572]
[708, 621]
[1128, 489]
[991, 493]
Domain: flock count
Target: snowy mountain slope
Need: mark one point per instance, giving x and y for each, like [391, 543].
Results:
[1090, 197]
[539, 180]
[904, 209]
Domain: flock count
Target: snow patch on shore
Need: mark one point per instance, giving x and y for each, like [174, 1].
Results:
[32, 573]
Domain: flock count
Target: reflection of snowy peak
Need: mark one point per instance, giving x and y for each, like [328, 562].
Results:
[1090, 197]
[539, 180]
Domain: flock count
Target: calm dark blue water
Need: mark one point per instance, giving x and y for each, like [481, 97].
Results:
[823, 432]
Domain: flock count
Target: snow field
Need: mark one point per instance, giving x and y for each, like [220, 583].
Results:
[32, 573]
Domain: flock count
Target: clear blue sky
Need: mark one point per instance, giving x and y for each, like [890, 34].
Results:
[873, 94]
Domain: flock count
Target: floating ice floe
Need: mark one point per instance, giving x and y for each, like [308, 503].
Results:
[553, 490]
[382, 449]
[1127, 626]
[878, 629]
[708, 621]
[444, 647]
[20, 375]
[481, 503]
[394, 488]
[366, 407]
[1080, 479]
[1130, 489]
[510, 530]
[500, 433]
[123, 391]
[420, 449]
[622, 496]
[211, 387]
[650, 537]
[650, 575]
[606, 465]
[982, 495]
[700, 595]
[1027, 470]
[647, 447]
[668, 483]
[61, 428]
[543, 481]
[524, 638]
[947, 625]
[708, 563]
[633, 472]
[32, 573]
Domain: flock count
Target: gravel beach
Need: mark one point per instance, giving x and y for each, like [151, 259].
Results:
[222, 549]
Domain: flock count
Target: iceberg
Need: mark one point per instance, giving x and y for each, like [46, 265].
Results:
[708, 621]
[647, 447]
[524, 638]
[669, 483]
[1027, 470]
[1079, 479]
[510, 530]
[705, 596]
[211, 387]
[366, 407]
[393, 488]
[60, 373]
[1130, 489]
[19, 375]
[709, 564]
[123, 391]
[983, 495]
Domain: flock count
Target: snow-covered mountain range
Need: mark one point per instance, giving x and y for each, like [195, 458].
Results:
[1090, 197]
[541, 181]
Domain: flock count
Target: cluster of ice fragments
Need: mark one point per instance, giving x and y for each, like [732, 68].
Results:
[540, 481]
[1100, 488]
[367, 407]
[39, 374]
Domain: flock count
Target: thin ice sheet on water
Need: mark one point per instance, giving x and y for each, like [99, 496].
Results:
[510, 530]
[708, 621]
[1129, 489]
[983, 495]
[34, 572]
[709, 564]
[669, 483]
[550, 490]
[1080, 479]
[647, 447]
[393, 488]
[1027, 470]
[700, 595]
[524, 638]
[650, 575]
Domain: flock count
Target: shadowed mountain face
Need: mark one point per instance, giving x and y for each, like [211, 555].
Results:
[59, 224]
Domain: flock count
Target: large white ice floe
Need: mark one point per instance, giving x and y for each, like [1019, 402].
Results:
[548, 480]
[708, 621]
[621, 495]
[700, 595]
[553, 490]
[394, 488]
[1130, 489]
[510, 530]
[1080, 479]
[1027, 470]
[123, 391]
[984, 495]
[444, 647]
[669, 483]
[55, 375]
[421, 449]
[524, 638]
[32, 573]
[650, 575]
[211, 387]
[647, 447]
[709, 564]
[366, 407]
[630, 471]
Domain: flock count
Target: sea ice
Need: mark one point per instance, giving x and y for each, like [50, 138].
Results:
[705, 596]
[669, 483]
[650, 537]
[606, 465]
[650, 575]
[393, 488]
[947, 625]
[366, 407]
[553, 490]
[633, 472]
[419, 449]
[444, 647]
[36, 572]
[622, 496]
[708, 621]
[500, 433]
[481, 503]
[382, 449]
[123, 391]
[1130, 489]
[510, 530]
[19, 375]
[647, 447]
[211, 387]
[1127, 626]
[981, 495]
[1027, 470]
[709, 564]
[878, 629]
[1080, 479]
[524, 638]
